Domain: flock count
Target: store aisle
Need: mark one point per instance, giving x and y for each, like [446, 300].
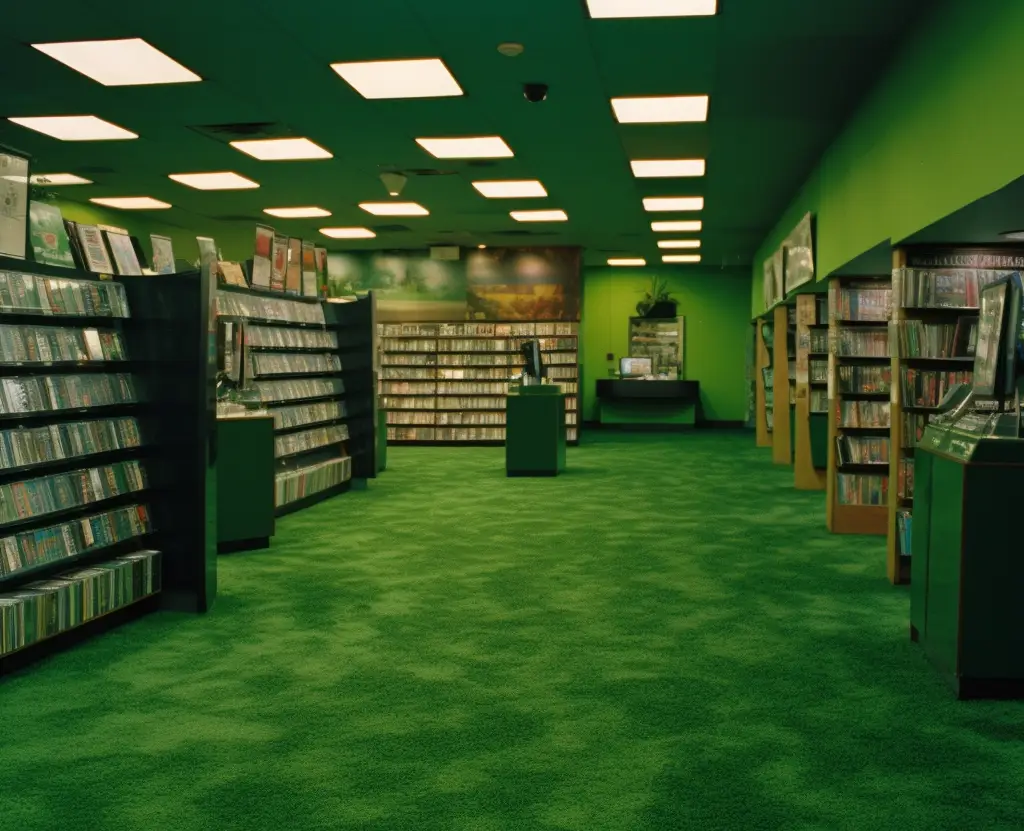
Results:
[664, 638]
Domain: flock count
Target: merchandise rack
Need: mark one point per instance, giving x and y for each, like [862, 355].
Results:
[925, 263]
[763, 392]
[300, 360]
[446, 383]
[784, 382]
[91, 533]
[849, 325]
[810, 452]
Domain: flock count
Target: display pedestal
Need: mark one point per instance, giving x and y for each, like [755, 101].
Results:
[245, 483]
[535, 431]
[967, 574]
[628, 402]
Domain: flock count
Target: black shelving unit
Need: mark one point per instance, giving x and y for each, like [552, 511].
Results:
[104, 458]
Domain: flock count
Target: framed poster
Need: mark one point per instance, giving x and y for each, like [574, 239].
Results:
[50, 243]
[94, 249]
[163, 254]
[124, 254]
[799, 246]
[293, 277]
[261, 260]
[779, 270]
[321, 269]
[279, 263]
[13, 205]
[768, 285]
[309, 281]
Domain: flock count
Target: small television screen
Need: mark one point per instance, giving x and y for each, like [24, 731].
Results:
[635, 367]
[989, 357]
[534, 363]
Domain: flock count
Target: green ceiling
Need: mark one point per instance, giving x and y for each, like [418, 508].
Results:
[783, 76]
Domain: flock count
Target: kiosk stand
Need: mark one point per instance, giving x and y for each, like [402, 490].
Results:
[535, 431]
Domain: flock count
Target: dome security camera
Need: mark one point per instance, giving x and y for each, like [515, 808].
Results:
[535, 93]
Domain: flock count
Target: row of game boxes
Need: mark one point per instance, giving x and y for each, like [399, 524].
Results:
[313, 413]
[506, 359]
[271, 391]
[232, 304]
[284, 338]
[268, 363]
[502, 373]
[476, 329]
[453, 402]
[46, 344]
[69, 539]
[467, 434]
[61, 491]
[22, 447]
[46, 608]
[51, 393]
[444, 419]
[293, 485]
[34, 294]
[310, 439]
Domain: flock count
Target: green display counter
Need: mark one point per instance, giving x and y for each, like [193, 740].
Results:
[819, 440]
[967, 570]
[535, 431]
[628, 402]
[245, 483]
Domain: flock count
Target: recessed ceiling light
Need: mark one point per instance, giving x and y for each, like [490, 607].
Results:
[651, 8]
[282, 150]
[674, 109]
[539, 216]
[131, 203]
[394, 208]
[681, 258]
[625, 261]
[482, 147]
[58, 179]
[296, 213]
[348, 233]
[481, 246]
[683, 225]
[119, 63]
[511, 189]
[75, 128]
[656, 204]
[668, 168]
[225, 180]
[420, 78]
[678, 243]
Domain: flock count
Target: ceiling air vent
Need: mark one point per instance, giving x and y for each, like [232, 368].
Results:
[243, 130]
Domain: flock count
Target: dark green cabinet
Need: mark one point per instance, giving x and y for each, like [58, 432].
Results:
[245, 483]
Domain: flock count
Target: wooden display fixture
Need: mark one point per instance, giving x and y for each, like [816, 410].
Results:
[782, 435]
[858, 392]
[763, 415]
[810, 455]
[922, 301]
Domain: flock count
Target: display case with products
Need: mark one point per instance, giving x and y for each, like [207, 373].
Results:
[661, 340]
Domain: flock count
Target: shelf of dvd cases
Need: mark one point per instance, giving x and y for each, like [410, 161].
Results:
[74, 484]
[810, 434]
[859, 385]
[455, 377]
[782, 385]
[291, 486]
[763, 382]
[934, 335]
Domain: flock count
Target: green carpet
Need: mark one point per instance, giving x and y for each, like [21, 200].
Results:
[665, 637]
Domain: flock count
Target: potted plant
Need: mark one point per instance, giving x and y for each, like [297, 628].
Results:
[657, 302]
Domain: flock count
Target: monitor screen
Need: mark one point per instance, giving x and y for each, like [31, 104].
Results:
[991, 322]
[635, 367]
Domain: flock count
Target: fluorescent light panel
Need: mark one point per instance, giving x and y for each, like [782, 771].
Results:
[685, 226]
[296, 213]
[394, 208]
[75, 128]
[681, 258]
[675, 109]
[656, 204]
[418, 78]
[668, 168]
[224, 180]
[651, 8]
[511, 189]
[627, 261]
[282, 150]
[348, 233]
[539, 216]
[58, 179]
[131, 203]
[678, 243]
[119, 63]
[482, 147]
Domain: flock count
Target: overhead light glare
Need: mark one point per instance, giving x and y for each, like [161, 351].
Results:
[511, 189]
[1014, 235]
[658, 204]
[75, 128]
[681, 258]
[348, 233]
[282, 150]
[296, 213]
[678, 243]
[479, 147]
[394, 208]
[627, 261]
[119, 63]
[668, 168]
[224, 180]
[131, 203]
[686, 226]
[58, 179]
[539, 216]
[651, 8]
[418, 78]
[675, 109]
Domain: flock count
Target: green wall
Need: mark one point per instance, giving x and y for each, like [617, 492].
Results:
[941, 129]
[716, 305]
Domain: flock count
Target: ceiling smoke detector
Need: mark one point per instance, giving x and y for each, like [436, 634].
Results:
[394, 182]
[511, 50]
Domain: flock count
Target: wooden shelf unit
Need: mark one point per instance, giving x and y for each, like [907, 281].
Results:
[844, 518]
[784, 356]
[765, 395]
[811, 317]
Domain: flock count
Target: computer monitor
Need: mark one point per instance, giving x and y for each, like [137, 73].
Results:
[1000, 349]
[534, 362]
[635, 367]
